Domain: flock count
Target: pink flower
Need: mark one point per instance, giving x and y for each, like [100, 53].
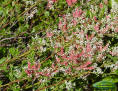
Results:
[49, 5]
[80, 12]
[74, 1]
[89, 38]
[84, 66]
[29, 72]
[64, 57]
[116, 29]
[81, 54]
[106, 1]
[64, 63]
[53, 66]
[106, 47]
[54, 1]
[74, 22]
[41, 73]
[96, 28]
[101, 5]
[61, 53]
[88, 48]
[70, 2]
[49, 34]
[88, 68]
[68, 70]
[47, 74]
[57, 59]
[64, 18]
[64, 27]
[36, 66]
[77, 13]
[103, 48]
[107, 17]
[32, 69]
[104, 30]
[95, 18]
[29, 65]
[60, 24]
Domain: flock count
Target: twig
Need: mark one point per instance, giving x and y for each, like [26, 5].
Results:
[11, 38]
[13, 82]
[76, 75]
[38, 1]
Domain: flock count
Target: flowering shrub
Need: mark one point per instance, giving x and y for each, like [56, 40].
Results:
[57, 44]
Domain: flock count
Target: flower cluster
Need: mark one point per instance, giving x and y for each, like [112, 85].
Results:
[78, 41]
[71, 2]
[51, 3]
[32, 69]
[30, 14]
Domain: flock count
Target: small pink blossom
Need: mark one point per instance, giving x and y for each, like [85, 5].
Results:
[54, 1]
[116, 29]
[50, 3]
[64, 57]
[74, 1]
[69, 2]
[106, 47]
[65, 63]
[61, 53]
[89, 38]
[96, 28]
[57, 59]
[47, 74]
[101, 5]
[32, 69]
[29, 65]
[80, 12]
[29, 72]
[74, 22]
[88, 47]
[107, 17]
[68, 70]
[49, 34]
[64, 27]
[95, 18]
[106, 1]
[84, 66]
[41, 73]
[105, 29]
[64, 19]
[77, 13]
[53, 66]
[60, 24]
[81, 54]
[88, 68]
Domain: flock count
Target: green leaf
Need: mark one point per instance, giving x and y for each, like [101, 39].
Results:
[47, 13]
[104, 85]
[111, 79]
[1, 82]
[1, 10]
[13, 51]
[113, 58]
[2, 60]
